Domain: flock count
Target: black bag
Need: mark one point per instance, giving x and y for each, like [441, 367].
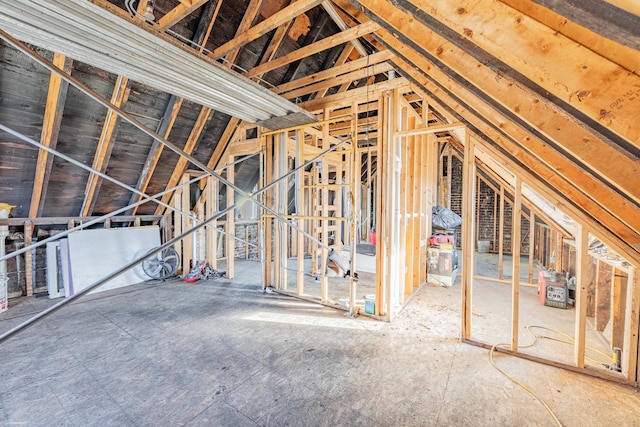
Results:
[444, 219]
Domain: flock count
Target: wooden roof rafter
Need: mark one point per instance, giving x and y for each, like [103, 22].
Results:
[542, 179]
[528, 142]
[105, 145]
[56, 97]
[344, 56]
[178, 13]
[313, 48]
[247, 19]
[550, 16]
[525, 106]
[231, 128]
[174, 105]
[206, 113]
[518, 103]
[360, 95]
[496, 175]
[401, 46]
[279, 18]
[192, 141]
[343, 79]
[608, 107]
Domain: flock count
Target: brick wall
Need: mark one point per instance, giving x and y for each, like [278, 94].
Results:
[16, 269]
[456, 193]
[488, 221]
[242, 231]
[485, 214]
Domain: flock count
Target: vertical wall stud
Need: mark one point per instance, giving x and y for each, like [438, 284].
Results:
[231, 227]
[582, 260]
[515, 251]
[468, 215]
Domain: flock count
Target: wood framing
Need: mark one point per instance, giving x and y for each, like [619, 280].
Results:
[105, 145]
[56, 97]
[316, 47]
[275, 20]
[534, 103]
[468, 247]
[515, 250]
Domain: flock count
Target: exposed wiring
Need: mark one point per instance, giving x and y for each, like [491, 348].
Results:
[570, 340]
[524, 387]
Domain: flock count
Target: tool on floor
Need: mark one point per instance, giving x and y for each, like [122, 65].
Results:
[555, 289]
[202, 270]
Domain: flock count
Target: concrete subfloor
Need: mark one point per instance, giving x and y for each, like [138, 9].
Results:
[223, 353]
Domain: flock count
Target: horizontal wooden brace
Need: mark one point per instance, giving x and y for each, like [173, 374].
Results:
[79, 219]
[429, 129]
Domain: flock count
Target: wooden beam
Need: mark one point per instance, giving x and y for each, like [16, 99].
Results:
[275, 20]
[344, 56]
[630, 6]
[444, 127]
[625, 56]
[468, 247]
[316, 47]
[360, 95]
[579, 77]
[515, 250]
[268, 178]
[381, 209]
[205, 25]
[229, 130]
[194, 137]
[400, 154]
[618, 305]
[412, 243]
[244, 148]
[230, 251]
[247, 19]
[529, 203]
[299, 159]
[347, 78]
[29, 273]
[175, 103]
[582, 287]
[178, 13]
[105, 146]
[501, 235]
[560, 129]
[532, 243]
[56, 97]
[170, 115]
[211, 207]
[631, 320]
[545, 179]
[336, 17]
[324, 179]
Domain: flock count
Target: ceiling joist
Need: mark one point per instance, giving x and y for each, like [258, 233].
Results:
[285, 15]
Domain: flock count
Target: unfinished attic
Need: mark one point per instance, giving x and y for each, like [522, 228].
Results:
[262, 212]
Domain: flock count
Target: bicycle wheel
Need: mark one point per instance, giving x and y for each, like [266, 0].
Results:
[162, 265]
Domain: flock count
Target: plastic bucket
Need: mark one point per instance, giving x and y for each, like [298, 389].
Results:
[484, 246]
